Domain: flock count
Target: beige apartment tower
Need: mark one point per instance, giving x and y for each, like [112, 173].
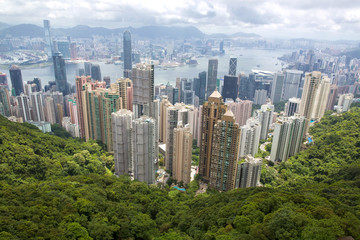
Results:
[182, 153]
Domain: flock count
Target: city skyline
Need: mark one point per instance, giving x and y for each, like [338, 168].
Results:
[328, 20]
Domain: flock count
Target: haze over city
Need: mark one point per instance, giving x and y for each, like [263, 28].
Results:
[327, 20]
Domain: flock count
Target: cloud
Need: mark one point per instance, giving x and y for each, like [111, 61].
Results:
[337, 18]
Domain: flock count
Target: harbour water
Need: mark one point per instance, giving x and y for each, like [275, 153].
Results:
[248, 59]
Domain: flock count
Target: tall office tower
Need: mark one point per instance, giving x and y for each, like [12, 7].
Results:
[224, 154]
[100, 104]
[345, 101]
[59, 106]
[291, 84]
[249, 137]
[212, 111]
[73, 53]
[230, 89]
[232, 66]
[80, 82]
[260, 96]
[127, 54]
[202, 79]
[169, 91]
[60, 74]
[48, 40]
[5, 100]
[332, 97]
[37, 83]
[174, 114]
[265, 116]
[37, 107]
[314, 97]
[106, 79]
[3, 80]
[49, 108]
[287, 138]
[248, 172]
[87, 67]
[122, 85]
[187, 92]
[24, 107]
[164, 104]
[64, 48]
[16, 80]
[242, 110]
[121, 132]
[212, 76]
[182, 154]
[292, 106]
[221, 47]
[247, 87]
[96, 72]
[277, 87]
[178, 86]
[144, 144]
[143, 87]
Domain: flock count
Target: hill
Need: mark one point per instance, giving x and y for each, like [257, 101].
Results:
[55, 188]
[22, 30]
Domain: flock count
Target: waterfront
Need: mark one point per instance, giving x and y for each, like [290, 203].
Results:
[248, 59]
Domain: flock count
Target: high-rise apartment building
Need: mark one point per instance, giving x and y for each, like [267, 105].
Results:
[212, 111]
[24, 107]
[248, 172]
[50, 112]
[224, 154]
[291, 84]
[80, 82]
[3, 80]
[127, 54]
[232, 66]
[143, 87]
[212, 76]
[249, 137]
[164, 104]
[60, 74]
[144, 145]
[242, 110]
[287, 139]
[345, 101]
[260, 96]
[5, 101]
[314, 97]
[122, 85]
[332, 97]
[265, 116]
[16, 80]
[182, 153]
[37, 107]
[122, 133]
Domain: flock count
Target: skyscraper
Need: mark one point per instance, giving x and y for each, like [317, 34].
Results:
[60, 74]
[164, 104]
[250, 137]
[212, 111]
[16, 80]
[3, 80]
[260, 96]
[64, 48]
[187, 92]
[122, 132]
[96, 72]
[314, 97]
[248, 172]
[182, 153]
[277, 87]
[232, 66]
[200, 87]
[287, 137]
[5, 100]
[87, 67]
[230, 89]
[50, 112]
[247, 87]
[332, 97]
[122, 85]
[80, 82]
[144, 144]
[291, 84]
[265, 116]
[37, 106]
[224, 153]
[48, 39]
[127, 54]
[345, 101]
[212, 76]
[292, 106]
[143, 87]
[24, 107]
[242, 110]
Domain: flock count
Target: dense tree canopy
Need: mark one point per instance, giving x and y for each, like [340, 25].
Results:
[56, 188]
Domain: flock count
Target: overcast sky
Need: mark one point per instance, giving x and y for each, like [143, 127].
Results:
[322, 19]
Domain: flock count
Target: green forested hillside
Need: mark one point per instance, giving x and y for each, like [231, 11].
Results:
[54, 188]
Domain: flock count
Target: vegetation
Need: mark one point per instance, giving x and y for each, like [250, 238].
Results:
[55, 188]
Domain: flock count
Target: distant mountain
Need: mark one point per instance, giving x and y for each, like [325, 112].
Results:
[21, 30]
[4, 25]
[245, 35]
[83, 31]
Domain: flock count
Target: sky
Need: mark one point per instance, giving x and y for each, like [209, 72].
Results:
[316, 19]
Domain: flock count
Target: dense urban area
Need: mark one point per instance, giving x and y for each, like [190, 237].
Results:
[169, 133]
